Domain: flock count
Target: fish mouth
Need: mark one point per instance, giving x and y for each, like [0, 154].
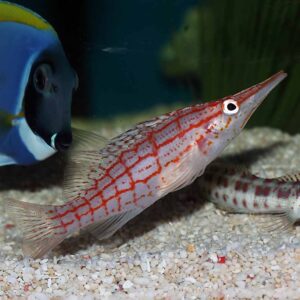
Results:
[61, 141]
[252, 97]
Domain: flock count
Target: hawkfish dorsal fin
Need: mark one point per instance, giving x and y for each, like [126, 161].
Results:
[91, 155]
[83, 157]
[89, 158]
[87, 140]
[78, 174]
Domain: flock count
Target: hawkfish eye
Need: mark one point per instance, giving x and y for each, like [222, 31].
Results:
[230, 107]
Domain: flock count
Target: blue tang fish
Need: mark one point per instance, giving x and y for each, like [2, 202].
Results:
[36, 88]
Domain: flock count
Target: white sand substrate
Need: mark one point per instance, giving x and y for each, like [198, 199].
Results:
[180, 248]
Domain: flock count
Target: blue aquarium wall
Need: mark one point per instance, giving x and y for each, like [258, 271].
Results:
[123, 58]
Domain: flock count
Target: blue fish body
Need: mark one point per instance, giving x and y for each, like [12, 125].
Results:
[36, 88]
[21, 146]
[19, 47]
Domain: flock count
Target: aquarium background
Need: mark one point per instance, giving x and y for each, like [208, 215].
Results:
[142, 56]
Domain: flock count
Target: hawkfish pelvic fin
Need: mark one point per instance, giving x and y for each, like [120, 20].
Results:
[106, 227]
[40, 232]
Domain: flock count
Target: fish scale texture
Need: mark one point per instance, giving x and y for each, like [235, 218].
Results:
[181, 248]
[167, 153]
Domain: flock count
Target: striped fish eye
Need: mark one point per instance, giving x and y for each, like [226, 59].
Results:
[230, 107]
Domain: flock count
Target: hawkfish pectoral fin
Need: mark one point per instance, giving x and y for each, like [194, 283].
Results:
[109, 225]
[183, 172]
[40, 232]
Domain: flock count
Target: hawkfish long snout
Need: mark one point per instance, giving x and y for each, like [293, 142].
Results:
[231, 113]
[252, 97]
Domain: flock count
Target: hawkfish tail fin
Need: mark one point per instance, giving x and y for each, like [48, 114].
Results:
[41, 233]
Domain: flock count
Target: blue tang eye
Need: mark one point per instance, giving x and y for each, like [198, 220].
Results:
[40, 77]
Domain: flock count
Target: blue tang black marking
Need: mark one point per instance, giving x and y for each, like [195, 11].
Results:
[36, 88]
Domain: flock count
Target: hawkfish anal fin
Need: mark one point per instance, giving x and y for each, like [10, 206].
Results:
[108, 226]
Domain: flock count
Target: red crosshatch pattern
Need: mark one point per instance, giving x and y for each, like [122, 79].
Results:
[140, 173]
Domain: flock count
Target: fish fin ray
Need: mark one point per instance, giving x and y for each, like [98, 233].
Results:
[86, 140]
[89, 158]
[292, 177]
[108, 226]
[39, 231]
[225, 208]
[86, 164]
[6, 160]
[279, 222]
[82, 160]
[182, 174]
[80, 172]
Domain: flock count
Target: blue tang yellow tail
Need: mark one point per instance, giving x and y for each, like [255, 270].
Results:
[36, 88]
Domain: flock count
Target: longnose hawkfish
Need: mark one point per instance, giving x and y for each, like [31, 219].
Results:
[234, 189]
[109, 186]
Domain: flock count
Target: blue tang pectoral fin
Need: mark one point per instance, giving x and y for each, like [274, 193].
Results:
[6, 160]
[21, 146]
